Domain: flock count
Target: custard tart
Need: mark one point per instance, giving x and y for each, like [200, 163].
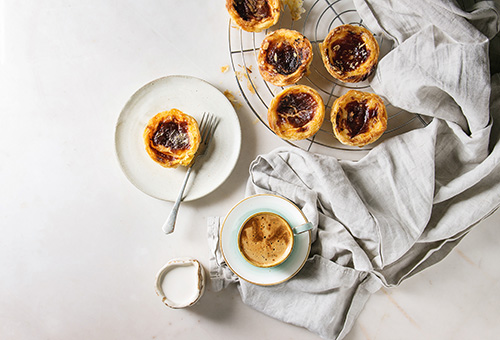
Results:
[358, 118]
[296, 113]
[350, 53]
[254, 15]
[172, 138]
[284, 57]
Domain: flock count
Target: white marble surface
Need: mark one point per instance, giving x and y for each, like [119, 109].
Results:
[80, 245]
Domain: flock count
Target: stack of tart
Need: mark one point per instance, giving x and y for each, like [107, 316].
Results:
[349, 53]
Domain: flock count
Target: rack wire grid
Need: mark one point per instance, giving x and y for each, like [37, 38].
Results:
[319, 18]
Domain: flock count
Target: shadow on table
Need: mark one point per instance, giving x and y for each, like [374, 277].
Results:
[217, 306]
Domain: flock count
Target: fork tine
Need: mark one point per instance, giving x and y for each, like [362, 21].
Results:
[213, 125]
[209, 124]
[207, 128]
[204, 129]
[203, 121]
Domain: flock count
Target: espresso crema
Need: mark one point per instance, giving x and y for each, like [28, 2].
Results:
[265, 239]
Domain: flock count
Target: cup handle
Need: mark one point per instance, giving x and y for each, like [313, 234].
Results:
[302, 228]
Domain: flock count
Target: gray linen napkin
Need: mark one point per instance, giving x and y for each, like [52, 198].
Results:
[405, 205]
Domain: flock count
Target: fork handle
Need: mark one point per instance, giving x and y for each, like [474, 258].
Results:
[168, 226]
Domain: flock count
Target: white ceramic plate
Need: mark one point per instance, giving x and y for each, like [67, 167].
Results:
[193, 96]
[229, 240]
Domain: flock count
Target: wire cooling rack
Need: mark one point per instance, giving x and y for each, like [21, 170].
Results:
[319, 18]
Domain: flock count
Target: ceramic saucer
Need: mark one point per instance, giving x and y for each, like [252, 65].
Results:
[229, 240]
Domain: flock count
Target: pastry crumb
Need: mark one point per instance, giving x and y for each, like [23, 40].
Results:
[244, 75]
[296, 8]
[248, 68]
[224, 68]
[232, 99]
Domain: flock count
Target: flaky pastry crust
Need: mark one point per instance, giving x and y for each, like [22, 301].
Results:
[284, 57]
[350, 53]
[172, 138]
[358, 118]
[254, 15]
[296, 113]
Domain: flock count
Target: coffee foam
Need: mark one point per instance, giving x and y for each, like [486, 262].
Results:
[265, 239]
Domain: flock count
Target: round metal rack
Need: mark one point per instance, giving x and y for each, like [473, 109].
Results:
[319, 18]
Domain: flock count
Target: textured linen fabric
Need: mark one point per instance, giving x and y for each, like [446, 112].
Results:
[409, 201]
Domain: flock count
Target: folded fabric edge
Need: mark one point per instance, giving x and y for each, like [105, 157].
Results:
[433, 256]
[219, 275]
[366, 288]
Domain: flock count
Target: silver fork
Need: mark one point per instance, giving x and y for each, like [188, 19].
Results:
[207, 128]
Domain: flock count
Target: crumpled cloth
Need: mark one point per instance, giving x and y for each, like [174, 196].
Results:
[411, 199]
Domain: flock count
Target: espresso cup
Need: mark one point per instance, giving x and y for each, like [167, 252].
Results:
[266, 239]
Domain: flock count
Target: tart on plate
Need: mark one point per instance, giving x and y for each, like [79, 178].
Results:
[254, 15]
[284, 57]
[296, 113]
[358, 118]
[172, 138]
[350, 53]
